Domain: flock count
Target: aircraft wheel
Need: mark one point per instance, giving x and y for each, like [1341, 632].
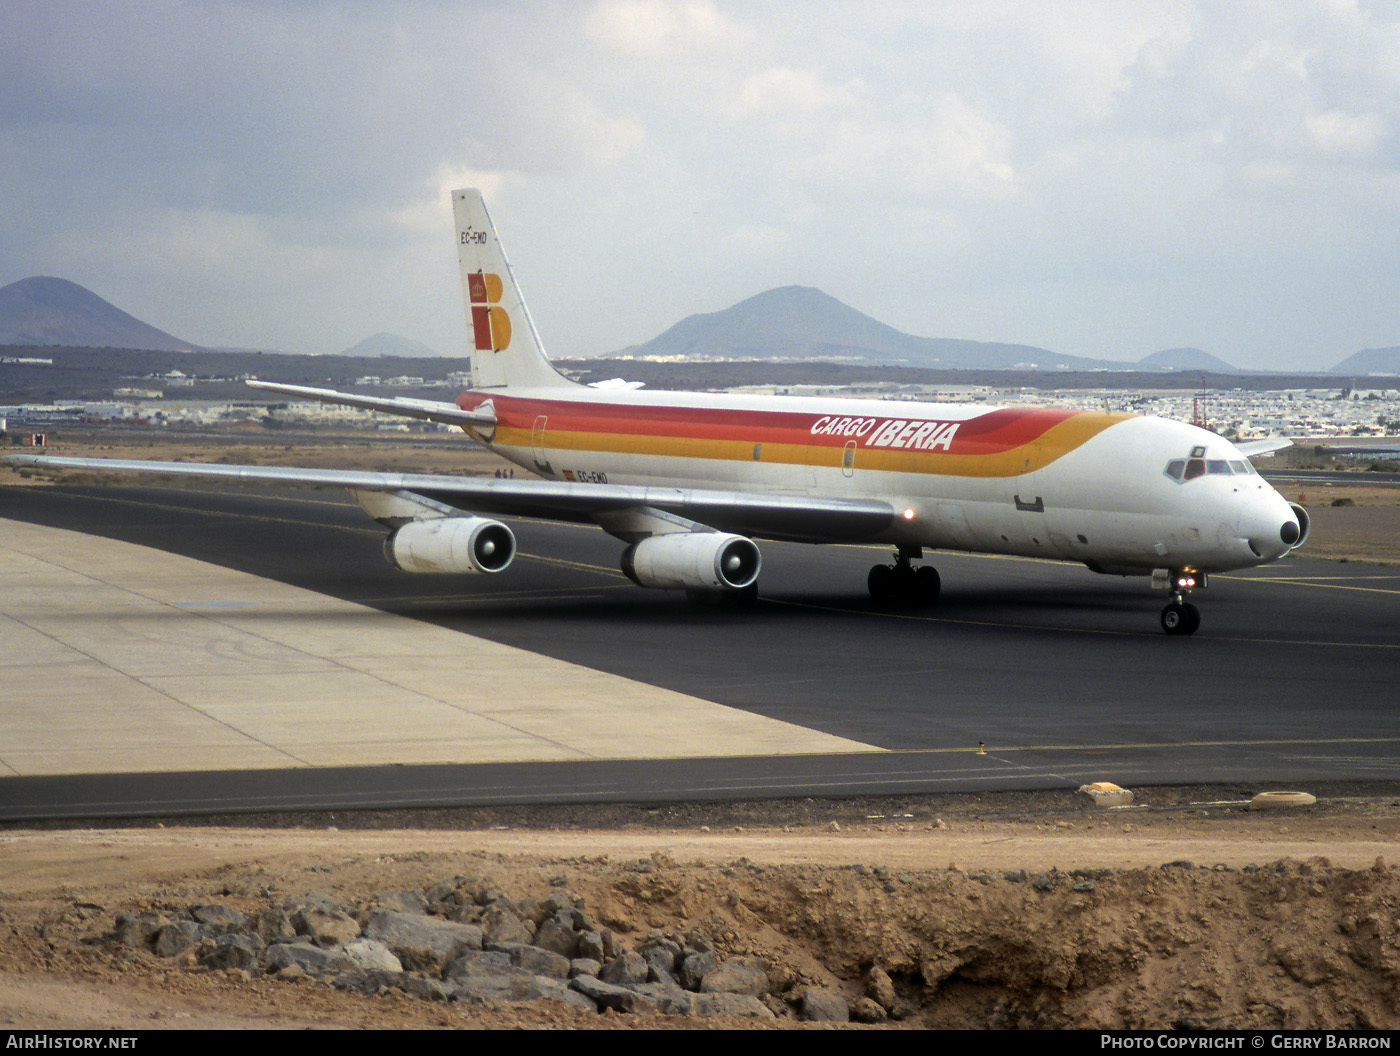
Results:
[1181, 617]
[1193, 617]
[927, 585]
[882, 583]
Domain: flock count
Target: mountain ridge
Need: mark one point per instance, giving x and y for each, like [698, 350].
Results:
[1371, 361]
[44, 310]
[802, 322]
[784, 324]
[385, 345]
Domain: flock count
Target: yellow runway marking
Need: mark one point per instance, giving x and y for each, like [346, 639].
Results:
[1308, 581]
[436, 601]
[229, 514]
[934, 618]
[994, 750]
[582, 566]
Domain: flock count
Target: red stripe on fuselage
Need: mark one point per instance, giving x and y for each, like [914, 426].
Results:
[989, 433]
[1006, 428]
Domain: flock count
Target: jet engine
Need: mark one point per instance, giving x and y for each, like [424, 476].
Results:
[451, 544]
[1304, 527]
[694, 561]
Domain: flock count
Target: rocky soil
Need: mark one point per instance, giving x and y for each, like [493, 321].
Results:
[1021, 910]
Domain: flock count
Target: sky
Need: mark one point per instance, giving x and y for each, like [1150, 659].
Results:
[1095, 177]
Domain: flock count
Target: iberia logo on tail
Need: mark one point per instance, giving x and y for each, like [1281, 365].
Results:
[490, 322]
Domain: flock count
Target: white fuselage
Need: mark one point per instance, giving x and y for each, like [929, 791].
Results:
[1077, 486]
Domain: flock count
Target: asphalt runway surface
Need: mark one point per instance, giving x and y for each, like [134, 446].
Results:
[1065, 676]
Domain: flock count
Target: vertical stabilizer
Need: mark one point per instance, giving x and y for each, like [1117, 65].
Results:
[505, 349]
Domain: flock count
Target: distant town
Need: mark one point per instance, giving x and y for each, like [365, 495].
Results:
[1360, 410]
[67, 356]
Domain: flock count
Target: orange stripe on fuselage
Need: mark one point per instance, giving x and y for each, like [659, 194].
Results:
[999, 443]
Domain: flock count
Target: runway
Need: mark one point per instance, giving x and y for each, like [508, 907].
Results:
[1062, 675]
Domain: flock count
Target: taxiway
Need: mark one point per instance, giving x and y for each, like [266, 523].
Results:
[1027, 674]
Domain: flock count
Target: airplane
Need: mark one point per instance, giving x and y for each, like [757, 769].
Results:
[687, 480]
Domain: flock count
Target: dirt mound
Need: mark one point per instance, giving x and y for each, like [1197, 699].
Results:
[1298, 942]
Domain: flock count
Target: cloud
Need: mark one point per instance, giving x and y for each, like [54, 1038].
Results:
[661, 29]
[1078, 175]
[1346, 135]
[783, 91]
[934, 147]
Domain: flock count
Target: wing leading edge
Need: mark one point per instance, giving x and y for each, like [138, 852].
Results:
[404, 406]
[1250, 448]
[791, 518]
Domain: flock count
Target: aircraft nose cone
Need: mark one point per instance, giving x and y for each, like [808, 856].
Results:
[1274, 527]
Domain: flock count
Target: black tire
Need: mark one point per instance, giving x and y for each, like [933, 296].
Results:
[1173, 618]
[927, 585]
[1181, 618]
[882, 583]
[1193, 618]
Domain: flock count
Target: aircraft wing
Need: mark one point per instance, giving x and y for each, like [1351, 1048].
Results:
[1250, 448]
[406, 406]
[793, 518]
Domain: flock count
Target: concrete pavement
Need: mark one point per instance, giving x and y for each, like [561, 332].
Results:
[119, 658]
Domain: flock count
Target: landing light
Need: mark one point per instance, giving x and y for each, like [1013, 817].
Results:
[908, 514]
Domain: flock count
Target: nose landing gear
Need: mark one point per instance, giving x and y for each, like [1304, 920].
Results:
[1180, 616]
[901, 583]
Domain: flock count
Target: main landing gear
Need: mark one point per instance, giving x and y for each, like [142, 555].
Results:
[901, 583]
[1180, 616]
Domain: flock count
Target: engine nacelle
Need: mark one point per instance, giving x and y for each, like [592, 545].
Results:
[1304, 526]
[451, 544]
[693, 561]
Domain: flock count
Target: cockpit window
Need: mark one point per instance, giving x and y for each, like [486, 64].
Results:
[1183, 469]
